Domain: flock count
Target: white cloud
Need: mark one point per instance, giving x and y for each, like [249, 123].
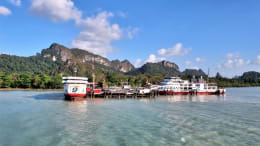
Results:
[138, 62]
[188, 63]
[255, 61]
[16, 2]
[132, 32]
[199, 60]
[195, 67]
[229, 63]
[176, 50]
[97, 34]
[153, 59]
[219, 66]
[233, 61]
[258, 59]
[235, 65]
[122, 14]
[5, 11]
[229, 55]
[248, 62]
[56, 10]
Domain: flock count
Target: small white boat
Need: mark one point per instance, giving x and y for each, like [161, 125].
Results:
[144, 91]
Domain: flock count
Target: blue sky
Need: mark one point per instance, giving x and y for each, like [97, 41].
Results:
[217, 34]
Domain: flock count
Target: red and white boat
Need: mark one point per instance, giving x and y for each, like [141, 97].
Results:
[177, 86]
[75, 87]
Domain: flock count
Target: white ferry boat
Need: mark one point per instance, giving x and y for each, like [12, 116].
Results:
[177, 86]
[75, 87]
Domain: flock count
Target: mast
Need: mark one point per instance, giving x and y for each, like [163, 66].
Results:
[75, 71]
[93, 72]
[208, 75]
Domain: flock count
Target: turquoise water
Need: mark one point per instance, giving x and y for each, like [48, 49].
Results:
[43, 118]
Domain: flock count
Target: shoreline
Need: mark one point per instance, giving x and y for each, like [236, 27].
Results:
[243, 87]
[28, 89]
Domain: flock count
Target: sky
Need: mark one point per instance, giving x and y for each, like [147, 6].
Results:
[220, 35]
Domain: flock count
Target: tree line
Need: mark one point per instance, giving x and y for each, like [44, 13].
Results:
[248, 79]
[135, 81]
[27, 80]
[44, 81]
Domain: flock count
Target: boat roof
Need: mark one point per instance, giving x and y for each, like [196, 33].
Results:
[75, 78]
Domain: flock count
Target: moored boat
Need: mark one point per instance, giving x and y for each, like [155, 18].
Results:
[144, 90]
[177, 86]
[75, 87]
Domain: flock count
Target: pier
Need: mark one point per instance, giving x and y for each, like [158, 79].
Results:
[136, 94]
[123, 94]
[76, 88]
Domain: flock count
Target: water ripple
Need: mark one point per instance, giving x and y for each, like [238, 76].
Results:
[43, 118]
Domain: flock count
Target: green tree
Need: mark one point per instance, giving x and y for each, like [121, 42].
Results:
[36, 82]
[44, 80]
[218, 76]
[25, 80]
[6, 81]
[55, 82]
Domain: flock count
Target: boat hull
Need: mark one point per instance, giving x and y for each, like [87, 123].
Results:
[174, 93]
[190, 93]
[207, 93]
[74, 97]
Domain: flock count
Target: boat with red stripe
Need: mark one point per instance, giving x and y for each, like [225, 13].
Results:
[75, 87]
[177, 86]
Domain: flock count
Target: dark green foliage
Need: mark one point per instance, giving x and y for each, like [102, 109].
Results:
[5, 80]
[23, 80]
[193, 72]
[134, 81]
[248, 79]
[218, 76]
[252, 77]
[157, 69]
[55, 82]
[33, 64]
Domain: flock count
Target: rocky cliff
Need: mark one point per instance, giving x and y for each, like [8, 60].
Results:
[75, 55]
[193, 72]
[123, 66]
[164, 68]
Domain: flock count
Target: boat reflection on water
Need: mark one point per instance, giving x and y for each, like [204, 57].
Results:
[199, 98]
[187, 98]
[78, 107]
[95, 100]
[82, 105]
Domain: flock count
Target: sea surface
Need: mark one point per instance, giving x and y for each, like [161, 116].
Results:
[43, 118]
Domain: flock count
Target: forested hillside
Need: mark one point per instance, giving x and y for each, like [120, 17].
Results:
[45, 70]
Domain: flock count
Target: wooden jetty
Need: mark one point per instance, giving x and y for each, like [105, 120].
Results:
[123, 94]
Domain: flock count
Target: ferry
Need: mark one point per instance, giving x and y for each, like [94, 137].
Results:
[177, 86]
[75, 87]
